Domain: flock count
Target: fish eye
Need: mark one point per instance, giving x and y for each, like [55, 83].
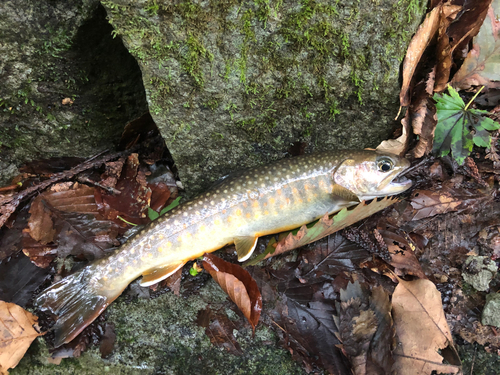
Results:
[385, 165]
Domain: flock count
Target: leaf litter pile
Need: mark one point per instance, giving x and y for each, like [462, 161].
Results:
[390, 286]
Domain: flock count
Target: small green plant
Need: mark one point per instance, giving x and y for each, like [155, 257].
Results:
[459, 128]
[153, 215]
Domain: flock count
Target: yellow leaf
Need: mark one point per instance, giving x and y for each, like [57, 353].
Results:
[18, 328]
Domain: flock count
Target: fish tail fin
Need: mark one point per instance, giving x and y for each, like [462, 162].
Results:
[77, 303]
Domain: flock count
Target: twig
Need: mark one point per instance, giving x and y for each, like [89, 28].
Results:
[109, 189]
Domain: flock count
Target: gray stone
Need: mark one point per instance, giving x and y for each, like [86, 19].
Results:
[479, 271]
[233, 84]
[56, 49]
[491, 311]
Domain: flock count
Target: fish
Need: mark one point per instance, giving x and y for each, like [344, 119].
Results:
[264, 200]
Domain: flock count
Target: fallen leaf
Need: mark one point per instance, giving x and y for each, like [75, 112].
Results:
[424, 339]
[402, 250]
[310, 335]
[444, 49]
[18, 329]
[331, 258]
[19, 278]
[108, 340]
[365, 329]
[80, 198]
[84, 235]
[41, 227]
[137, 130]
[418, 44]
[426, 203]
[423, 115]
[238, 284]
[397, 146]
[482, 65]
[326, 226]
[134, 198]
[219, 329]
[467, 25]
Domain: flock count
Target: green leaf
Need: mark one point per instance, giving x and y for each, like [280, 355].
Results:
[455, 126]
[193, 271]
[171, 206]
[152, 214]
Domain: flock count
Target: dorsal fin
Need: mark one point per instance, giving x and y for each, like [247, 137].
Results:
[158, 274]
[345, 194]
[245, 246]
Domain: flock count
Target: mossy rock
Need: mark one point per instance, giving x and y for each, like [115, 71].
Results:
[53, 50]
[160, 336]
[233, 84]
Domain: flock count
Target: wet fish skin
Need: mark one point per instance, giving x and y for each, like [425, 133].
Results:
[260, 201]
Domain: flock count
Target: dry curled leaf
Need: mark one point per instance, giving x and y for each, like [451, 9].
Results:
[424, 339]
[18, 328]
[417, 46]
[399, 145]
[238, 284]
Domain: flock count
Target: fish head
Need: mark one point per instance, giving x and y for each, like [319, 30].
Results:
[372, 174]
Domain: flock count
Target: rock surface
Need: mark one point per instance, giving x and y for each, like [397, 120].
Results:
[160, 336]
[67, 87]
[233, 85]
[491, 311]
[479, 271]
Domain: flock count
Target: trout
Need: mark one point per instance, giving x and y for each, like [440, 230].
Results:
[265, 200]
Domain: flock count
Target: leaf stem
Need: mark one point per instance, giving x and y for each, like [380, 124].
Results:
[474, 97]
[128, 222]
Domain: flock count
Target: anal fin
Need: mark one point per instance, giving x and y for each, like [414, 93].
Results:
[245, 246]
[156, 275]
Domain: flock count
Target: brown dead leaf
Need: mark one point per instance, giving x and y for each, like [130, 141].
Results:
[326, 226]
[134, 199]
[18, 329]
[423, 115]
[398, 146]
[238, 284]
[481, 66]
[427, 203]
[422, 331]
[41, 227]
[418, 44]
[365, 329]
[402, 250]
[80, 198]
[467, 25]
[443, 49]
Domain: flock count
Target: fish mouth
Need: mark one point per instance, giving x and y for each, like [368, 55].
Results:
[396, 182]
[393, 184]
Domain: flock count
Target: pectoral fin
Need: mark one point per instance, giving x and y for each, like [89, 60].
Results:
[343, 193]
[156, 275]
[245, 247]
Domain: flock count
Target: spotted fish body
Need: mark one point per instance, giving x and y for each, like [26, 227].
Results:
[260, 201]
